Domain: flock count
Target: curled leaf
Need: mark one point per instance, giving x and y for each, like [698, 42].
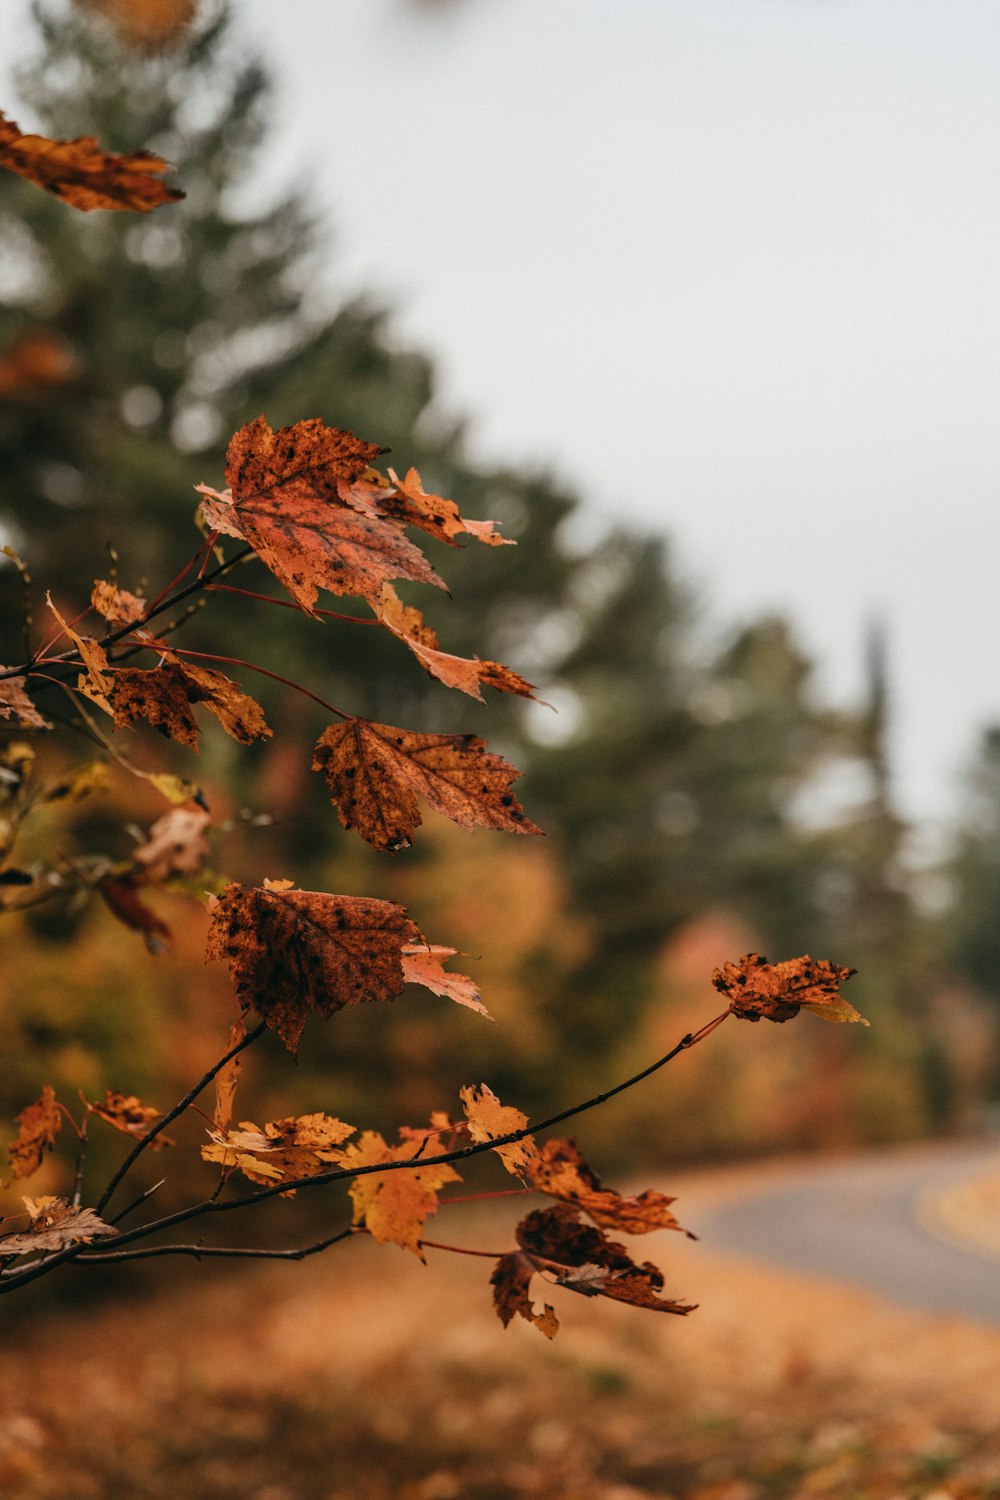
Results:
[467, 674]
[559, 1170]
[129, 1115]
[16, 706]
[488, 1120]
[423, 963]
[777, 992]
[38, 1126]
[82, 174]
[55, 1225]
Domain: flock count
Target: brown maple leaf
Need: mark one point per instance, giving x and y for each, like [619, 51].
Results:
[488, 1119]
[163, 696]
[408, 503]
[284, 499]
[423, 963]
[558, 1244]
[393, 1206]
[38, 1125]
[776, 992]
[292, 952]
[82, 174]
[376, 772]
[467, 674]
[559, 1170]
[129, 1115]
[55, 1224]
[511, 1283]
[116, 605]
[227, 1079]
[17, 706]
[176, 845]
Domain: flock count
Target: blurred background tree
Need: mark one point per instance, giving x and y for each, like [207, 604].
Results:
[685, 780]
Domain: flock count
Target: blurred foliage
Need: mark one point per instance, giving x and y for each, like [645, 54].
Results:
[689, 784]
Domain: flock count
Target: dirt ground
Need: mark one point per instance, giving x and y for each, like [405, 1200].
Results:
[368, 1375]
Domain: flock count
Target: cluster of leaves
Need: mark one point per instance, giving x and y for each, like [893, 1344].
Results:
[307, 503]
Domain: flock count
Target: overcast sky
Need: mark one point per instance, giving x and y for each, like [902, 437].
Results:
[729, 266]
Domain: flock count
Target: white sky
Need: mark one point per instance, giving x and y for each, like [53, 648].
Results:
[729, 266]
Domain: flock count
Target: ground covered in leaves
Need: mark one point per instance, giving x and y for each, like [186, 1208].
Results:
[368, 1375]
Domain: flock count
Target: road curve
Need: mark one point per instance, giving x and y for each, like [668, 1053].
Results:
[883, 1220]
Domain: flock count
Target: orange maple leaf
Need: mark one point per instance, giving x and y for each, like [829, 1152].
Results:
[129, 1115]
[38, 1126]
[292, 952]
[82, 174]
[394, 1205]
[299, 1146]
[488, 1119]
[408, 503]
[375, 774]
[163, 696]
[423, 963]
[284, 499]
[777, 992]
[467, 674]
[116, 605]
[559, 1170]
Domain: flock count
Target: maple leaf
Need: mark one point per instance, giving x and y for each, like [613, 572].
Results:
[299, 1146]
[82, 174]
[393, 1206]
[511, 1283]
[558, 1244]
[95, 681]
[408, 503]
[38, 1126]
[284, 499]
[55, 1224]
[375, 774]
[488, 1118]
[756, 988]
[129, 1115]
[116, 605]
[292, 952]
[17, 706]
[559, 1170]
[423, 963]
[163, 697]
[176, 845]
[467, 674]
[122, 898]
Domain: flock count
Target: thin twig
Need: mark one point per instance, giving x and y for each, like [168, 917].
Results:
[220, 1252]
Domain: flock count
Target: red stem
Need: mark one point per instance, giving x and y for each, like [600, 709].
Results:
[460, 1250]
[236, 661]
[329, 614]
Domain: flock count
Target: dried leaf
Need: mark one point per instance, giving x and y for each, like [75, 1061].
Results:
[95, 681]
[54, 1226]
[116, 605]
[511, 1283]
[467, 674]
[293, 952]
[83, 175]
[17, 706]
[163, 697]
[176, 845]
[756, 988]
[488, 1119]
[123, 899]
[423, 963]
[375, 774]
[394, 1205]
[129, 1115]
[284, 499]
[559, 1170]
[38, 1126]
[285, 1150]
[407, 502]
[558, 1244]
[227, 1079]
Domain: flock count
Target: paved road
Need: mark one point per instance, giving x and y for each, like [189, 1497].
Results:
[869, 1220]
